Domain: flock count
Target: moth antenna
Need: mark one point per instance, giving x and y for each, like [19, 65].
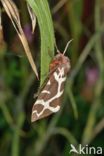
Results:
[67, 46]
[58, 51]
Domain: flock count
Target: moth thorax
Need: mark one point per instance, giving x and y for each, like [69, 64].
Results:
[60, 60]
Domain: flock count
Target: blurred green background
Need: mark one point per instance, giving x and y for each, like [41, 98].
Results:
[81, 118]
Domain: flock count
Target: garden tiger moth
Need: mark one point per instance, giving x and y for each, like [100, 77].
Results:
[49, 98]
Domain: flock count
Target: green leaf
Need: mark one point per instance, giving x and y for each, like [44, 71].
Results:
[42, 12]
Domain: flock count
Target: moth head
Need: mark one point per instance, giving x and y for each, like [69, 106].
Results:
[61, 60]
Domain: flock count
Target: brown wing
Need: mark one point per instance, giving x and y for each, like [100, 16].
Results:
[48, 101]
[45, 81]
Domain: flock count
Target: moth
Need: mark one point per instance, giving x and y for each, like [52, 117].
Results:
[49, 98]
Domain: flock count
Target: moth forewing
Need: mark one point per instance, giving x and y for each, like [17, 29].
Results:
[49, 99]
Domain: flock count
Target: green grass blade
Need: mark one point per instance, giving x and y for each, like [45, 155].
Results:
[42, 12]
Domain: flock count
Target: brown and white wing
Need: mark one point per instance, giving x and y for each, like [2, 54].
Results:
[48, 101]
